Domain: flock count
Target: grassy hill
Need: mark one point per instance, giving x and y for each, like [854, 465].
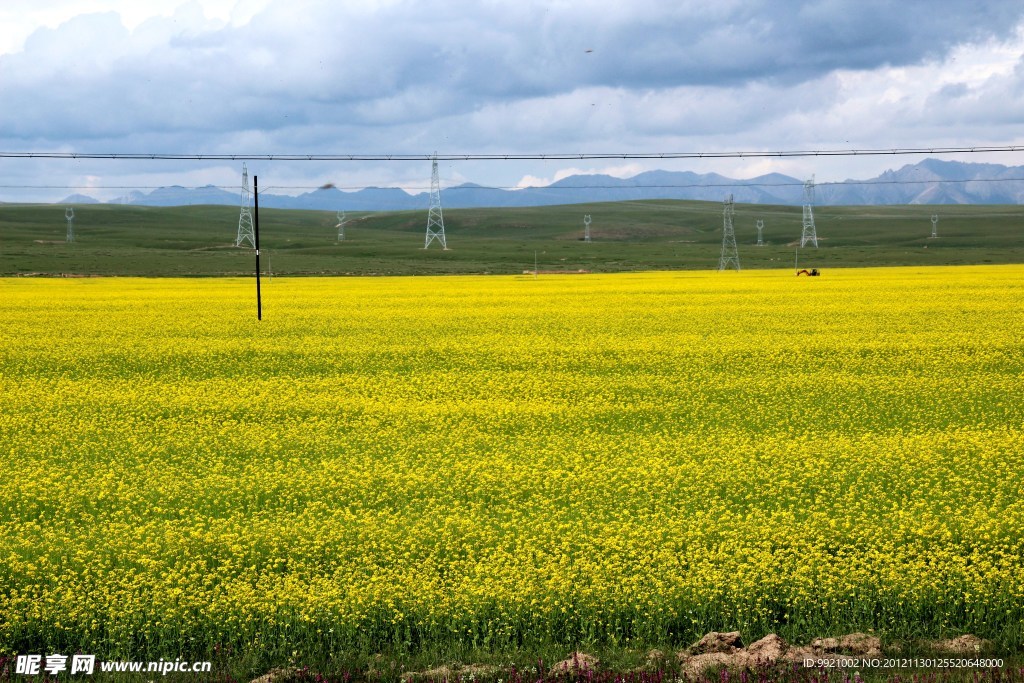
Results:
[641, 235]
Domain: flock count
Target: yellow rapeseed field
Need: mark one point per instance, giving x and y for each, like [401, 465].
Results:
[506, 460]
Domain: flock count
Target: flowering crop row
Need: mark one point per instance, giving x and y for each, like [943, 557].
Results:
[489, 460]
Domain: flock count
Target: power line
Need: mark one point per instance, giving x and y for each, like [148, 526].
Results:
[983, 149]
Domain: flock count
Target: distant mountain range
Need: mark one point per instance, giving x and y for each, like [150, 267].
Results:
[931, 181]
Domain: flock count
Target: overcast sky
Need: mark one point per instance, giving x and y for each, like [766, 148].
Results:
[515, 76]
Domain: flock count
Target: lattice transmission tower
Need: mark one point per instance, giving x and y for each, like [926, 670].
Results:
[245, 229]
[760, 229]
[586, 228]
[435, 219]
[935, 225]
[730, 254]
[69, 214]
[809, 234]
[341, 226]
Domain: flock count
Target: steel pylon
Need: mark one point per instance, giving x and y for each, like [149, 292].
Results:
[730, 253]
[809, 234]
[245, 228]
[435, 219]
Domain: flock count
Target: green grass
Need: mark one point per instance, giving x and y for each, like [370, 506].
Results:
[641, 235]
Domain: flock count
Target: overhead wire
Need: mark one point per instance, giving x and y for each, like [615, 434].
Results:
[975, 149]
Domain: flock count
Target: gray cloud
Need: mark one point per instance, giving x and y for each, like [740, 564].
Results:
[304, 63]
[493, 76]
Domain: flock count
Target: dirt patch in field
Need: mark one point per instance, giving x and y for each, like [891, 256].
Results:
[717, 650]
[962, 645]
[854, 644]
[717, 642]
[768, 650]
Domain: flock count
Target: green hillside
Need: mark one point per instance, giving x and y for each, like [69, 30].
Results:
[643, 235]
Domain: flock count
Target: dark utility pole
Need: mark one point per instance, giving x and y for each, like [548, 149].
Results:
[256, 234]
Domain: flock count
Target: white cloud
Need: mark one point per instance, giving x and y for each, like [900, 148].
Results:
[19, 19]
[414, 77]
[617, 171]
[532, 181]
